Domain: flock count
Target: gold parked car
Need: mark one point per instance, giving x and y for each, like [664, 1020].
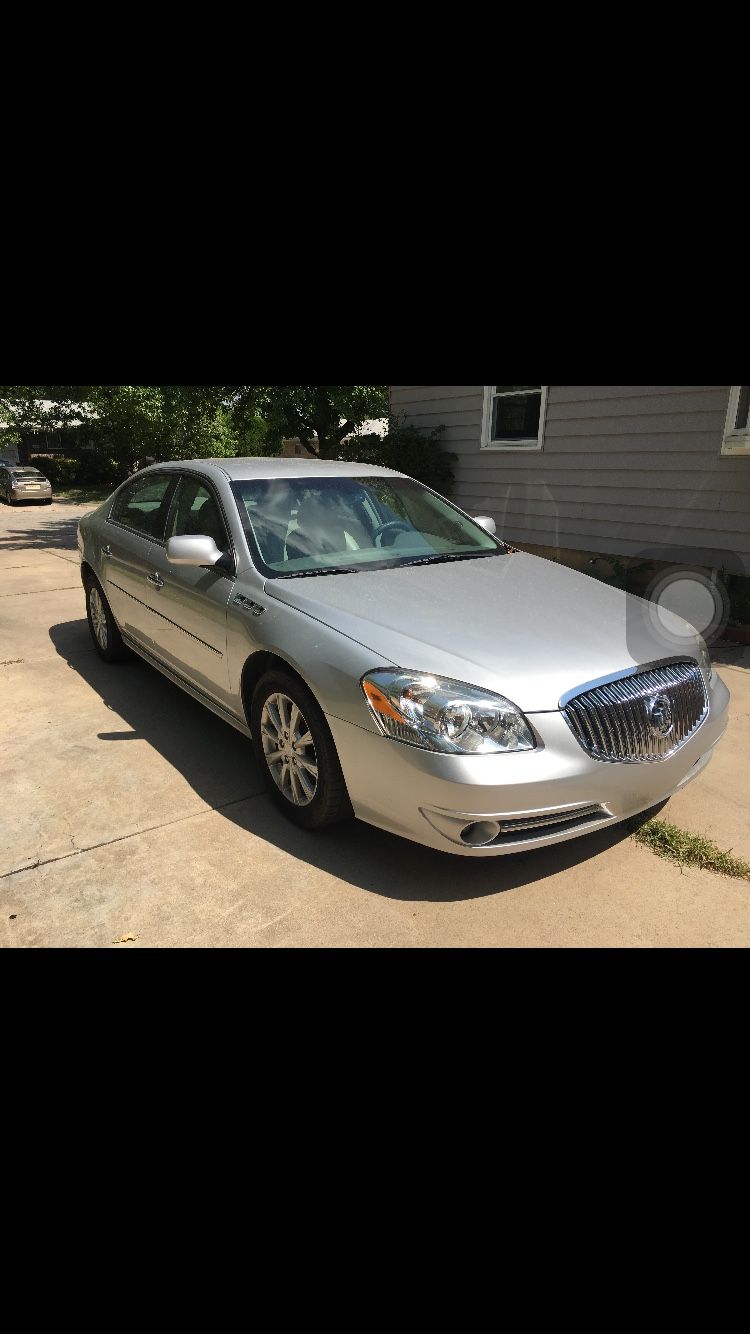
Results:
[21, 482]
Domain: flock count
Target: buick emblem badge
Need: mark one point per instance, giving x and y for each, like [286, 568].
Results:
[660, 715]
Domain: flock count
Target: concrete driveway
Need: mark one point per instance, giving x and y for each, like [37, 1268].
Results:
[128, 809]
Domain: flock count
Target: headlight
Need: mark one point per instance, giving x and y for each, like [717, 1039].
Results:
[436, 714]
[705, 660]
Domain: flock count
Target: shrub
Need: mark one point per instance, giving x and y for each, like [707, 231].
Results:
[85, 469]
[407, 449]
[739, 600]
[61, 472]
[625, 573]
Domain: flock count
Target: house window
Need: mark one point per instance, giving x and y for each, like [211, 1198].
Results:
[737, 428]
[514, 416]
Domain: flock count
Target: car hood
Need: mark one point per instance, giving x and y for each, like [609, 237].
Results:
[517, 624]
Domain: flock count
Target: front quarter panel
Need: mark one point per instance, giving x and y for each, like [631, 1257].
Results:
[330, 664]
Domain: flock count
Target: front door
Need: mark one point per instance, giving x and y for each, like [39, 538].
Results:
[189, 604]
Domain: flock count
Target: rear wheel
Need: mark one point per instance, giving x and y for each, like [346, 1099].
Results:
[107, 638]
[296, 754]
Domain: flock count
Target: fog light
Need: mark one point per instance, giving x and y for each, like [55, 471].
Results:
[480, 833]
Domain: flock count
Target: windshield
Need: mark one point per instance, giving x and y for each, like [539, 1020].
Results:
[336, 525]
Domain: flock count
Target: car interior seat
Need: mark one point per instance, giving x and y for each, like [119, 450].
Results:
[323, 527]
[204, 521]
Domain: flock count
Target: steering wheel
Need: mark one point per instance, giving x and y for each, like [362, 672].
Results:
[395, 525]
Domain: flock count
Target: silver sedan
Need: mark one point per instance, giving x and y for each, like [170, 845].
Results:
[392, 659]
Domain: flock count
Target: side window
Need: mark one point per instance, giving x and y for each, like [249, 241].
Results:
[737, 428]
[143, 505]
[514, 416]
[195, 513]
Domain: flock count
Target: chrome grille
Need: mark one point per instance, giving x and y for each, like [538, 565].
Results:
[625, 719]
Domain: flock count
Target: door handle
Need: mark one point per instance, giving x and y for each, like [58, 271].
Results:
[156, 580]
[106, 552]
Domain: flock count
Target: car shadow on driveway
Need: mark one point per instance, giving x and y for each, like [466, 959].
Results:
[210, 755]
[57, 534]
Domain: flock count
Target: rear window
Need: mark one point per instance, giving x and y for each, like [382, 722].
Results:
[25, 472]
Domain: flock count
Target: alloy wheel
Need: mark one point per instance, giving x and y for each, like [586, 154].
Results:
[98, 618]
[289, 749]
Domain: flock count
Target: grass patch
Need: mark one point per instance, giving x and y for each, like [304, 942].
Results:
[83, 495]
[685, 849]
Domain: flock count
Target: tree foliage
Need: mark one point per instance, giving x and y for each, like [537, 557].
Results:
[322, 413]
[133, 423]
[407, 449]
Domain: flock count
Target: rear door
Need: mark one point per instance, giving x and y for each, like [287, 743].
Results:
[136, 522]
[190, 604]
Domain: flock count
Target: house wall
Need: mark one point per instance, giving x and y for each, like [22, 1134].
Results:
[624, 470]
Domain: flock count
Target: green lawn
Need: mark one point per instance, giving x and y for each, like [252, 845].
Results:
[83, 495]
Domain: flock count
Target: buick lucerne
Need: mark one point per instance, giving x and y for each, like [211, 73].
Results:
[392, 659]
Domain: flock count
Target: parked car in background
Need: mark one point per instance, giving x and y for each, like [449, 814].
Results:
[20, 482]
[392, 658]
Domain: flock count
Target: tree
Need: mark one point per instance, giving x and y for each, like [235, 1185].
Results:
[129, 424]
[406, 448]
[328, 412]
[136, 422]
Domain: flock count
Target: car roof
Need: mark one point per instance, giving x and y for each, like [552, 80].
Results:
[243, 470]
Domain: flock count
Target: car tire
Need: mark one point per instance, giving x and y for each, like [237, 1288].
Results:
[108, 641]
[308, 784]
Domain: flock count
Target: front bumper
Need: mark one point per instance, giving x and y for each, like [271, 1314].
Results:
[435, 799]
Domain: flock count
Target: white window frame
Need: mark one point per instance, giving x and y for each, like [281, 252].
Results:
[735, 442]
[511, 446]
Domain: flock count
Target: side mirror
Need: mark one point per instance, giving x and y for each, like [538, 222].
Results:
[487, 523]
[197, 551]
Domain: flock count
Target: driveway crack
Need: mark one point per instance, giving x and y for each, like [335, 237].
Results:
[123, 838]
[30, 592]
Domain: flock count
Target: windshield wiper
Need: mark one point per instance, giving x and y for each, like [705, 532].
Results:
[313, 574]
[461, 555]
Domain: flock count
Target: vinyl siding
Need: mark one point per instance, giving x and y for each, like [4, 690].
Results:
[624, 470]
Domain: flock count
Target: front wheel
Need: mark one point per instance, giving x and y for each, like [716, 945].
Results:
[296, 754]
[104, 632]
